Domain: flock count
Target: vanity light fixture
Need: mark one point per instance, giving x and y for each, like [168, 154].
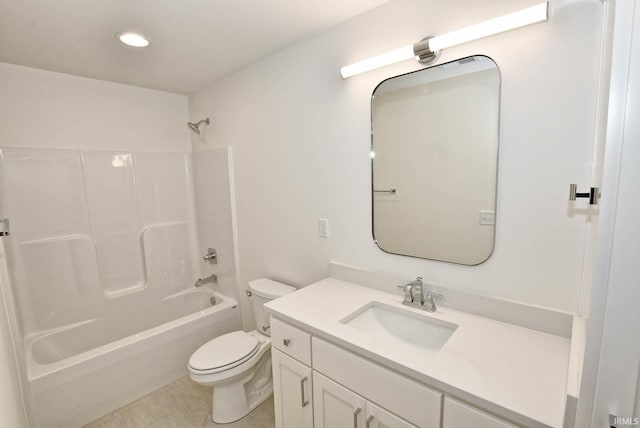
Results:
[428, 49]
[136, 40]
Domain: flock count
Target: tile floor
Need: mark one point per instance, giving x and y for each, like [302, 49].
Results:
[182, 404]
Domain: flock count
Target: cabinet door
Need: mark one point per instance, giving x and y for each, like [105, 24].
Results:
[334, 406]
[457, 414]
[377, 417]
[413, 401]
[292, 391]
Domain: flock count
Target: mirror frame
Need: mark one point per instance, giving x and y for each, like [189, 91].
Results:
[497, 171]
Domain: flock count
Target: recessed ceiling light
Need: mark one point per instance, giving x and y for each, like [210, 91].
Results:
[133, 39]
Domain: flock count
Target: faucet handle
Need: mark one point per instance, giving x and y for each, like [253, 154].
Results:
[211, 256]
[407, 292]
[430, 299]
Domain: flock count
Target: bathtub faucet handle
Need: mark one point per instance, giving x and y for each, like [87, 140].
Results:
[211, 256]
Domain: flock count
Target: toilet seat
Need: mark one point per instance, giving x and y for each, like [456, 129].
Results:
[224, 352]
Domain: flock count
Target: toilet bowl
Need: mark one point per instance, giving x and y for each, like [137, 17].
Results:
[238, 364]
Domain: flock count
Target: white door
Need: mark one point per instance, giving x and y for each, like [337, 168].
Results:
[617, 390]
[334, 406]
[377, 417]
[292, 389]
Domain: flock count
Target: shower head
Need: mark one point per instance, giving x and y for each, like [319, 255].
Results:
[195, 127]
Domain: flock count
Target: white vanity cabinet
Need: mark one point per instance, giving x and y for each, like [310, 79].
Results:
[292, 377]
[371, 356]
[335, 406]
[292, 390]
[341, 389]
[457, 414]
[407, 402]
[329, 387]
[377, 417]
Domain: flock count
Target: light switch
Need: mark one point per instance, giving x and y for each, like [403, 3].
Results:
[323, 228]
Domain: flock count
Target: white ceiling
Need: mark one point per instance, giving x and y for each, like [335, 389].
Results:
[194, 42]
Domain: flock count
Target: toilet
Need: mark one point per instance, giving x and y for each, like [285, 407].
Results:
[238, 364]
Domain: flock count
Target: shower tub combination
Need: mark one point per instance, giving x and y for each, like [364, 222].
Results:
[102, 263]
[80, 372]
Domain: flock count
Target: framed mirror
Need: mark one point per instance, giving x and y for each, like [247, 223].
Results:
[434, 149]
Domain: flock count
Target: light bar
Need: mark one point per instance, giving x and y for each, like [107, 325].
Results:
[504, 23]
[392, 57]
[501, 24]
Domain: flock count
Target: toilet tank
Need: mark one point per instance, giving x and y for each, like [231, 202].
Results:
[262, 291]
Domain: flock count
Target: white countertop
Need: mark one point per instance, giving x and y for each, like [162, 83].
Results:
[501, 367]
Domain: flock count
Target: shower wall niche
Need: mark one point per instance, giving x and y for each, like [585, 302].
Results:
[90, 227]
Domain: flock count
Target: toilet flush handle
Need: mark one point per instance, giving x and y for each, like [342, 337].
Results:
[286, 342]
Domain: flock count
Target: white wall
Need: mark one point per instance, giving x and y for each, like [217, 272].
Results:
[300, 136]
[43, 109]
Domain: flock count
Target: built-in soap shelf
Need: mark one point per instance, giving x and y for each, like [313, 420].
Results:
[52, 239]
[113, 294]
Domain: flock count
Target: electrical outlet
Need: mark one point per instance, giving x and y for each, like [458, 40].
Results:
[488, 217]
[323, 228]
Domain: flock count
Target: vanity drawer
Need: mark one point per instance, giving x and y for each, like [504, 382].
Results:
[396, 393]
[291, 340]
[458, 414]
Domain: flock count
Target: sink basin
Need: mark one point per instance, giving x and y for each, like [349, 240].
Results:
[397, 326]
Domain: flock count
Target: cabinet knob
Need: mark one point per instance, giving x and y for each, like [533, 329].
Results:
[286, 342]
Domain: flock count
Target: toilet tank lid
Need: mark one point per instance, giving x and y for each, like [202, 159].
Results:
[269, 289]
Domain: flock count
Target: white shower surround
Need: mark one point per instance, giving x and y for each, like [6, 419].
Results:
[90, 227]
[103, 255]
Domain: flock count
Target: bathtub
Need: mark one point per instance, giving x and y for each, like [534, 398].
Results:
[82, 371]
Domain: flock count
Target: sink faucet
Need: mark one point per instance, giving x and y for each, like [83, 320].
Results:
[415, 296]
[201, 281]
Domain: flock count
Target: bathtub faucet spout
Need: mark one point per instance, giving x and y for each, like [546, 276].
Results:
[211, 278]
